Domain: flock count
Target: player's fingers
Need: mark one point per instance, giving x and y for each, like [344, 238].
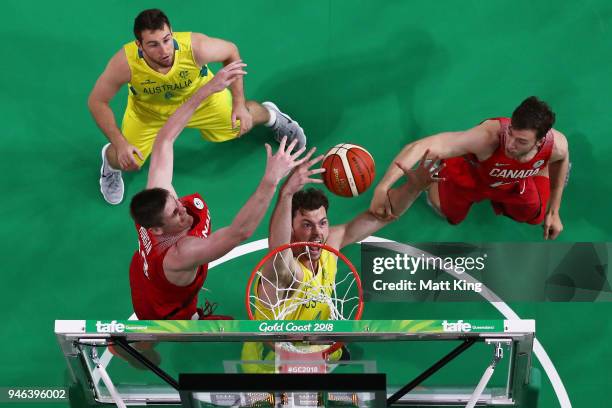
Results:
[132, 160]
[281, 148]
[298, 153]
[314, 180]
[291, 146]
[235, 74]
[309, 154]
[316, 171]
[234, 120]
[315, 160]
[424, 158]
[546, 228]
[247, 124]
[268, 150]
[236, 63]
[138, 154]
[233, 66]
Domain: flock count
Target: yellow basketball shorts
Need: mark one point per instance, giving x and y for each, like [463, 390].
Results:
[213, 119]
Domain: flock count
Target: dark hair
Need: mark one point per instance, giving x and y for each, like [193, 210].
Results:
[152, 19]
[309, 199]
[533, 114]
[147, 207]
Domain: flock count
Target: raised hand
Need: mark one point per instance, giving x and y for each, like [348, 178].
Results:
[281, 163]
[303, 173]
[424, 174]
[552, 225]
[226, 76]
[125, 157]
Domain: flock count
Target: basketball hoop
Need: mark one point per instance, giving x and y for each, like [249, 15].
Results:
[340, 296]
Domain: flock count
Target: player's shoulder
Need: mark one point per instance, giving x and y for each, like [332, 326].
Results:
[118, 67]
[490, 127]
[560, 145]
[198, 47]
[198, 40]
[558, 136]
[485, 135]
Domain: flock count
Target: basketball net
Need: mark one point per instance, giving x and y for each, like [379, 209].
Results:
[340, 297]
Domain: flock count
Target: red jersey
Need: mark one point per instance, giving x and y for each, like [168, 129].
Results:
[502, 173]
[153, 296]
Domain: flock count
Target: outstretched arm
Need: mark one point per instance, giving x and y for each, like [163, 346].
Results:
[400, 199]
[557, 169]
[191, 251]
[280, 222]
[443, 145]
[115, 75]
[162, 158]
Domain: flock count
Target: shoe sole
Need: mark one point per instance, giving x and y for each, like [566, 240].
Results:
[273, 105]
[101, 174]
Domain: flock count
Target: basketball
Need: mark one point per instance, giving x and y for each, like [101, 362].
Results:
[349, 170]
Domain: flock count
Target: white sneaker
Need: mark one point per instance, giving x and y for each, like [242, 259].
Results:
[285, 126]
[111, 182]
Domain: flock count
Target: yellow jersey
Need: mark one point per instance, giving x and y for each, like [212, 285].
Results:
[312, 287]
[159, 95]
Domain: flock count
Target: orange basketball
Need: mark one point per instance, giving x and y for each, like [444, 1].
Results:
[349, 170]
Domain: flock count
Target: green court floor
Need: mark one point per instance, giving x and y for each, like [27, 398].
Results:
[376, 73]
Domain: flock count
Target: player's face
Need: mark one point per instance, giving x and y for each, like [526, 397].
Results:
[158, 47]
[520, 142]
[310, 226]
[176, 218]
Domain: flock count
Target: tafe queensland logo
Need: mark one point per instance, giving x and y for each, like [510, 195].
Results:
[459, 327]
[112, 327]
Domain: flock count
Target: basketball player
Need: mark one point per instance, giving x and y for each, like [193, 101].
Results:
[290, 281]
[520, 164]
[301, 216]
[163, 69]
[175, 236]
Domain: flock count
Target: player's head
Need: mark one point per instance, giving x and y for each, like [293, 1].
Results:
[531, 120]
[309, 220]
[154, 37]
[160, 212]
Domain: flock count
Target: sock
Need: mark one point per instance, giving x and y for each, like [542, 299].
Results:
[272, 119]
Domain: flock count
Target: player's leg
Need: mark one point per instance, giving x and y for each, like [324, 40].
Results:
[530, 206]
[450, 196]
[214, 119]
[138, 132]
[280, 123]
